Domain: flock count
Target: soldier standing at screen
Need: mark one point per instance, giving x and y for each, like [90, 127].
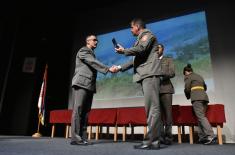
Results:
[166, 91]
[195, 88]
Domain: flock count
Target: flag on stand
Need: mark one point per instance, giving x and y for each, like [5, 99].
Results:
[41, 100]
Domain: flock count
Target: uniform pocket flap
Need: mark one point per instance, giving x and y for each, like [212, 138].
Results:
[85, 75]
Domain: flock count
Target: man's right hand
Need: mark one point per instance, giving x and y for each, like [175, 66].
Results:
[114, 69]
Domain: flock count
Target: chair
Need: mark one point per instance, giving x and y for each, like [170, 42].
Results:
[131, 116]
[102, 117]
[215, 114]
[60, 116]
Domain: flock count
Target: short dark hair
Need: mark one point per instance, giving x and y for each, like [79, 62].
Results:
[139, 21]
[188, 68]
[89, 35]
[162, 46]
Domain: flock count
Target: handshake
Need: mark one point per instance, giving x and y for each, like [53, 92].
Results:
[114, 69]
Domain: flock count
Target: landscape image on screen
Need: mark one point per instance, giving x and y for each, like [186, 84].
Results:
[185, 39]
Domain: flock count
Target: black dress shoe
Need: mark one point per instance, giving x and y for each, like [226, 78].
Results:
[87, 142]
[82, 142]
[142, 146]
[162, 141]
[77, 143]
[202, 141]
[211, 140]
[155, 145]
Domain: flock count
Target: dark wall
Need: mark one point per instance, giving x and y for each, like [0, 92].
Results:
[54, 32]
[221, 23]
[48, 39]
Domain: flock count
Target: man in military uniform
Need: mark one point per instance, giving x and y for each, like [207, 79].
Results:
[84, 87]
[146, 72]
[166, 91]
[195, 88]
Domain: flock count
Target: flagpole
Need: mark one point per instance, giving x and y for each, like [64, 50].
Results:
[37, 134]
[41, 99]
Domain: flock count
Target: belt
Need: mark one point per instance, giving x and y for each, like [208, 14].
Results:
[197, 87]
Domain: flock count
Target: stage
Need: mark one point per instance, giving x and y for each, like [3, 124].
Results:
[23, 145]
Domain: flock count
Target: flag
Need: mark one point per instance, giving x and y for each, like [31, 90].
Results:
[41, 100]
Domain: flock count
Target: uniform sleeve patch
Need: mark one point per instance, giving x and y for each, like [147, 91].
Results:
[144, 38]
